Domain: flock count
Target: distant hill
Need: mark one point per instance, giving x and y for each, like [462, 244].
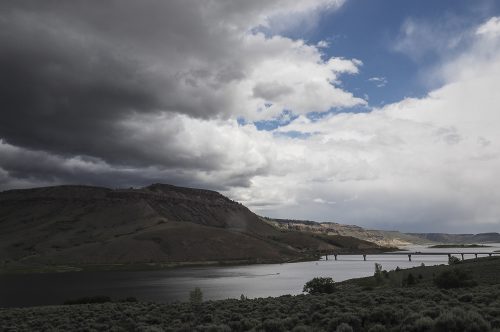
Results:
[459, 238]
[81, 226]
[381, 237]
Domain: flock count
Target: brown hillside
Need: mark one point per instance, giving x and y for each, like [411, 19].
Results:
[159, 224]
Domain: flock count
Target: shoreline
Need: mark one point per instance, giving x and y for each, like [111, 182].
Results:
[360, 302]
[363, 282]
[150, 266]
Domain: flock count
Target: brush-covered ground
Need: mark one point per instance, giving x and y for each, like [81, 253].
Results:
[400, 300]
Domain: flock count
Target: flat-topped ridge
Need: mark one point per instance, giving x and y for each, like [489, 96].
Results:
[62, 191]
[157, 191]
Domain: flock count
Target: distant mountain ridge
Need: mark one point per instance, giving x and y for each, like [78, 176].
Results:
[382, 237]
[158, 225]
[491, 237]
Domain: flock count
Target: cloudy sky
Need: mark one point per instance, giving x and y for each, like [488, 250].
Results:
[382, 113]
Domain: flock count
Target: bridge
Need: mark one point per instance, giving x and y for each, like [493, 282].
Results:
[417, 253]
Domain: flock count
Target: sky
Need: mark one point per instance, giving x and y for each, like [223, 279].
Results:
[383, 113]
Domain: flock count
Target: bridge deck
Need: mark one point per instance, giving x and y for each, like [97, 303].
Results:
[444, 253]
[416, 253]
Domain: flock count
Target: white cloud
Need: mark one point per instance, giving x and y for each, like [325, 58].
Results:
[290, 75]
[322, 201]
[206, 58]
[490, 27]
[419, 38]
[161, 83]
[379, 81]
[420, 164]
[286, 15]
[249, 70]
[323, 44]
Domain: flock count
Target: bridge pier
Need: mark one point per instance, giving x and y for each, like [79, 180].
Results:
[462, 256]
[364, 257]
[335, 255]
[409, 258]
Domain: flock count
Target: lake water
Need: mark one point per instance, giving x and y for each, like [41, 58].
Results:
[215, 282]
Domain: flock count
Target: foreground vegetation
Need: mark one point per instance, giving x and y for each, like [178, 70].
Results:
[400, 300]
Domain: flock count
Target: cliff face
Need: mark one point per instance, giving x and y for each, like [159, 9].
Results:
[381, 237]
[158, 223]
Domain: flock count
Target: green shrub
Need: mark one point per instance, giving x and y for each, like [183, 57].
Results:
[320, 285]
[458, 320]
[90, 299]
[465, 298]
[423, 324]
[410, 280]
[452, 260]
[273, 325]
[454, 278]
[378, 328]
[344, 327]
[495, 323]
[214, 328]
[351, 319]
[383, 314]
[196, 296]
[129, 299]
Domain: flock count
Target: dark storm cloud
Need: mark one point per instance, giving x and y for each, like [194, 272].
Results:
[94, 78]
[21, 168]
[71, 73]
[59, 95]
[120, 81]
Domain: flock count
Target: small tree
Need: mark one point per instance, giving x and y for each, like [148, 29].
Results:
[319, 285]
[378, 273]
[452, 260]
[410, 280]
[196, 296]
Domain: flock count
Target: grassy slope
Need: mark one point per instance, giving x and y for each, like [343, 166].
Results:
[79, 227]
[360, 303]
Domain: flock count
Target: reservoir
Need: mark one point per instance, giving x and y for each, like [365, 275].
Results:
[216, 283]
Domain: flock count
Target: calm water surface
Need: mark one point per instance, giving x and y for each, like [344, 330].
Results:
[215, 282]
